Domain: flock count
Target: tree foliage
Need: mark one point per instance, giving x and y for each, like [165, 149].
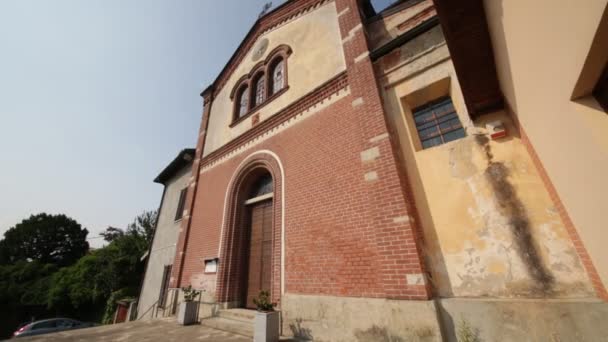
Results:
[86, 288]
[47, 239]
[143, 226]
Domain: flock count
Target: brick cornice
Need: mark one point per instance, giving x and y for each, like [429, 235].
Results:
[281, 15]
[315, 96]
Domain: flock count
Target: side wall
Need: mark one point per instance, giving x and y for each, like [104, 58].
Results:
[490, 227]
[539, 60]
[163, 246]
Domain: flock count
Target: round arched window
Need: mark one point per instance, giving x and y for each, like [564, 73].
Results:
[278, 75]
[243, 101]
[262, 186]
[259, 90]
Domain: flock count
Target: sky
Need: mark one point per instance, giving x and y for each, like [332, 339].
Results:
[98, 96]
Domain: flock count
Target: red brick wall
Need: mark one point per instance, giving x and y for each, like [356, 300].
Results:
[341, 234]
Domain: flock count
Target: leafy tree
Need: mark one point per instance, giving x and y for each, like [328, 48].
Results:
[87, 288]
[142, 226]
[48, 239]
[112, 233]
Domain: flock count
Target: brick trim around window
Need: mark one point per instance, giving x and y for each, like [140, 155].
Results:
[247, 81]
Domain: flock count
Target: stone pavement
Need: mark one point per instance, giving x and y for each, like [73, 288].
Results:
[165, 329]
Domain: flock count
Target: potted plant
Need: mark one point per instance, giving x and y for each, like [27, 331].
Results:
[188, 309]
[266, 325]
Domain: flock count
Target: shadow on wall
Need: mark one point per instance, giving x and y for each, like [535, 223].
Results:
[460, 331]
[419, 206]
[299, 332]
[494, 10]
[376, 333]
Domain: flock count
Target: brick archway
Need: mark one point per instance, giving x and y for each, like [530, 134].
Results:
[232, 266]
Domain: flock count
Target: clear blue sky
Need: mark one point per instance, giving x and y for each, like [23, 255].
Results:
[96, 97]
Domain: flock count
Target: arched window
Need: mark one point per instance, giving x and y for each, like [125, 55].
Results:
[266, 81]
[278, 76]
[262, 186]
[259, 90]
[243, 101]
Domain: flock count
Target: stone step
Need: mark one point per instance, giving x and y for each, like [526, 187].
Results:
[238, 314]
[239, 327]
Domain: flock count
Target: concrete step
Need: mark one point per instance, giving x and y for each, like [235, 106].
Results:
[238, 314]
[239, 327]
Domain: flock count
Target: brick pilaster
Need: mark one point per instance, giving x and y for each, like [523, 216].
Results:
[182, 241]
[400, 268]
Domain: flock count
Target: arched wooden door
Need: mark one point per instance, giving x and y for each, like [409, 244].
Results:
[260, 250]
[259, 209]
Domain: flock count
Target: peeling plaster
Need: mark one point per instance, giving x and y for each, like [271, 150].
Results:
[504, 254]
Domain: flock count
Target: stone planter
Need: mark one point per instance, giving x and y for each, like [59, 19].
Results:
[188, 313]
[266, 327]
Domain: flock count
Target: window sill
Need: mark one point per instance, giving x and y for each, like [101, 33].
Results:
[258, 107]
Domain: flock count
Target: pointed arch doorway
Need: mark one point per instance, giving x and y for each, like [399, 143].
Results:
[258, 221]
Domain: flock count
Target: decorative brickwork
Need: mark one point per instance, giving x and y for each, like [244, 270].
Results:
[321, 93]
[345, 209]
[232, 271]
[291, 10]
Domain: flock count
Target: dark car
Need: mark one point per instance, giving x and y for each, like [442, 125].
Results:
[46, 326]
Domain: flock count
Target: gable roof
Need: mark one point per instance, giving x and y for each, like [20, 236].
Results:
[183, 159]
[283, 13]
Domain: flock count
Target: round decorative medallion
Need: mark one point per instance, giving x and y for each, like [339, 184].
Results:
[260, 49]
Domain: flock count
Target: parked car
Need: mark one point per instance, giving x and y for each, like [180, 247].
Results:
[46, 326]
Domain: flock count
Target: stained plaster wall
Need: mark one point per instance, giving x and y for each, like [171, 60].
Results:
[317, 57]
[489, 225]
[540, 48]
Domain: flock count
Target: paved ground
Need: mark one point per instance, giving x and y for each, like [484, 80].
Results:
[150, 330]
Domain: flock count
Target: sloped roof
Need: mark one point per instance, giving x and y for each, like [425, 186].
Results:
[183, 159]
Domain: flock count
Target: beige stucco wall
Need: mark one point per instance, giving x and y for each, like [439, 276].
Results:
[540, 48]
[489, 225]
[317, 57]
[163, 245]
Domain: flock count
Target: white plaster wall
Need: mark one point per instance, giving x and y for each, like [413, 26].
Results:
[163, 245]
[317, 57]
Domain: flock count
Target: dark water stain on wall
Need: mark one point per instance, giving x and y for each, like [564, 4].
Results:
[511, 207]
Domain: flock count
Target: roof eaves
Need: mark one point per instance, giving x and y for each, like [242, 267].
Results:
[184, 158]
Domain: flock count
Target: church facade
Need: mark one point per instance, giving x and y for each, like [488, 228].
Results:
[349, 165]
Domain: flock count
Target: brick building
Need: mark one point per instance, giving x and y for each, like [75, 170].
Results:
[365, 169]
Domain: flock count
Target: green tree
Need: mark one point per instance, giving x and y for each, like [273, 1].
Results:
[143, 226]
[48, 239]
[87, 288]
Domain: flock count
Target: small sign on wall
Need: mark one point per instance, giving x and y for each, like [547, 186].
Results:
[211, 265]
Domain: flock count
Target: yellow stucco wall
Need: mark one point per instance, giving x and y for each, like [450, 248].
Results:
[540, 48]
[317, 57]
[489, 226]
